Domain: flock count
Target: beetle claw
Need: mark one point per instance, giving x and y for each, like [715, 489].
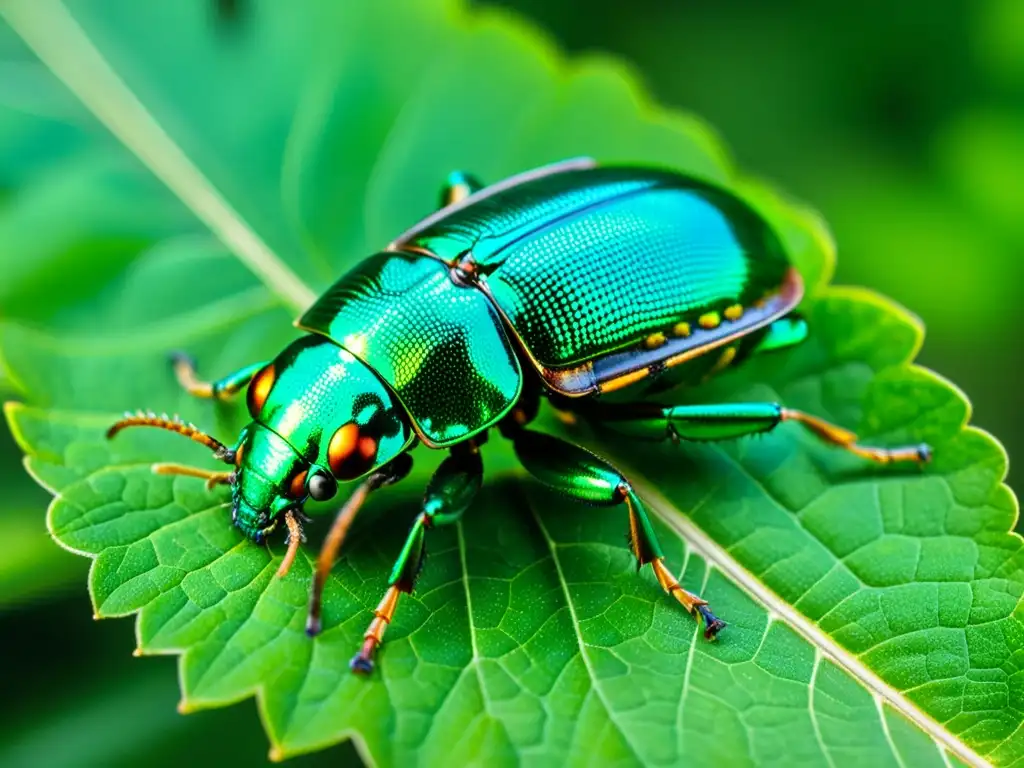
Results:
[361, 665]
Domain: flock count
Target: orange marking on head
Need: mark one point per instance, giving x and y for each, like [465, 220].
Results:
[259, 390]
[297, 488]
[342, 446]
[351, 452]
[367, 448]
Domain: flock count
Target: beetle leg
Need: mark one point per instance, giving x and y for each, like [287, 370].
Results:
[386, 475]
[221, 389]
[450, 492]
[211, 478]
[584, 476]
[295, 539]
[457, 187]
[724, 421]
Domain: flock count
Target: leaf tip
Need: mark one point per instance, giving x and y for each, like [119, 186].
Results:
[184, 708]
[137, 653]
[276, 754]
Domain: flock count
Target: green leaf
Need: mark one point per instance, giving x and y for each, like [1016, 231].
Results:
[873, 612]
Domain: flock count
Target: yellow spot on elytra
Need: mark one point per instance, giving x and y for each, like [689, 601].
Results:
[184, 708]
[735, 312]
[137, 652]
[681, 329]
[709, 320]
[655, 340]
[276, 754]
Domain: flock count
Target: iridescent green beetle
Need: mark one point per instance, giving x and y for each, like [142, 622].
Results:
[592, 286]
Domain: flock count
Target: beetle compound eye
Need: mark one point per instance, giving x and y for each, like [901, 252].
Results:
[322, 487]
[351, 452]
[297, 487]
[259, 390]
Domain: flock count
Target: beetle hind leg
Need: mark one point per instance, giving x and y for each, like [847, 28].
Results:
[691, 602]
[582, 475]
[843, 438]
[457, 187]
[726, 421]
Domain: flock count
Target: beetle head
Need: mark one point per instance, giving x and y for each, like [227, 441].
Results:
[320, 416]
[271, 478]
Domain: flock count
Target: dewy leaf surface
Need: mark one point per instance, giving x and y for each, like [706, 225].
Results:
[873, 612]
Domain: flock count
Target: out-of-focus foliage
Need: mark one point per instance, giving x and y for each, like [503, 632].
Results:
[30, 146]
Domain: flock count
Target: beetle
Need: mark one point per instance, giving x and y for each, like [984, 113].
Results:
[595, 287]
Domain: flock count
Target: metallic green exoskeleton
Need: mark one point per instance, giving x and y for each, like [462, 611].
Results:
[594, 287]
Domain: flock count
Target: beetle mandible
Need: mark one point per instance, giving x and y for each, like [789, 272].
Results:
[592, 286]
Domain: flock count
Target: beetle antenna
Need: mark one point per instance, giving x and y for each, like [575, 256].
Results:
[150, 419]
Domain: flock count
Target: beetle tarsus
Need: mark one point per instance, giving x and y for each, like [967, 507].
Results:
[844, 438]
[691, 602]
[362, 662]
[712, 624]
[185, 372]
[177, 357]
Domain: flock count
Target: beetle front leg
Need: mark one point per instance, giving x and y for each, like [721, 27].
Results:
[725, 421]
[386, 475]
[212, 478]
[221, 389]
[450, 492]
[582, 475]
[457, 187]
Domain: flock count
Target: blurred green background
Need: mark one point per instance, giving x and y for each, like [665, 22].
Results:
[903, 123]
